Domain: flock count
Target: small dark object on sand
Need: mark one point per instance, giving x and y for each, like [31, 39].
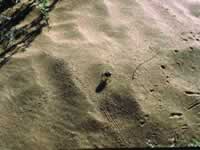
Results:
[105, 78]
[107, 74]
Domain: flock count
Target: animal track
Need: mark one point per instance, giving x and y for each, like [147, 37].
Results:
[190, 36]
[184, 127]
[175, 115]
[194, 105]
[176, 51]
[192, 93]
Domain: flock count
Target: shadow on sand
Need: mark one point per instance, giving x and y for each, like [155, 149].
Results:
[101, 86]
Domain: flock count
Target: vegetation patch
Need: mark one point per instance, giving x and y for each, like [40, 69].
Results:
[194, 143]
[43, 6]
[14, 36]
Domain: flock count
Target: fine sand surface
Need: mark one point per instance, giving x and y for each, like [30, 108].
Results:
[50, 97]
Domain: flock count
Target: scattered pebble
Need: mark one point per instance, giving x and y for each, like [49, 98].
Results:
[191, 48]
[142, 122]
[152, 90]
[163, 66]
[176, 51]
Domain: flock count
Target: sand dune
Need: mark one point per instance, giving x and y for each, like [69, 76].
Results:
[48, 94]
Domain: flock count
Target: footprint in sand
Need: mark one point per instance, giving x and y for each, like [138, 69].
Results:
[190, 36]
[176, 115]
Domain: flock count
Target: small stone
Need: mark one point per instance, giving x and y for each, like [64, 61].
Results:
[176, 51]
[163, 66]
[191, 48]
[152, 90]
[142, 122]
[193, 67]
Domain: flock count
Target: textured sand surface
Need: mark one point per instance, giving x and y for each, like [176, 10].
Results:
[48, 97]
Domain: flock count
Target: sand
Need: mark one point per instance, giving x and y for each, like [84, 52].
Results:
[48, 94]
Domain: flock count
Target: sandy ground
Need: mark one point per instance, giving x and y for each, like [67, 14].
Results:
[49, 98]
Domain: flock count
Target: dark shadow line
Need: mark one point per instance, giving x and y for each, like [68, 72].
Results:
[101, 86]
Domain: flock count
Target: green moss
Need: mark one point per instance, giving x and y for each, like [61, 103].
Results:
[43, 6]
[194, 143]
